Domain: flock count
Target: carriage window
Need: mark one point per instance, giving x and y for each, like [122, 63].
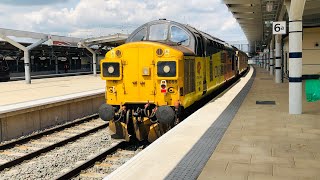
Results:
[180, 36]
[140, 36]
[158, 32]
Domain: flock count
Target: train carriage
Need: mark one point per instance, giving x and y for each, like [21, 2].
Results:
[163, 68]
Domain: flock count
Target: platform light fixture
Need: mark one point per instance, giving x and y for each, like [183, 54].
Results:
[269, 6]
[268, 23]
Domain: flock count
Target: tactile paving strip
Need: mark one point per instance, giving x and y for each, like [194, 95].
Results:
[192, 164]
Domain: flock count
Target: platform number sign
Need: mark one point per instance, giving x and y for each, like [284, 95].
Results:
[279, 27]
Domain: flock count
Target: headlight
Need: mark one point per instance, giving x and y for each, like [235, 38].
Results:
[166, 68]
[111, 69]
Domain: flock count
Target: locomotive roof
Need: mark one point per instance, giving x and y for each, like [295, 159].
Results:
[189, 28]
[186, 26]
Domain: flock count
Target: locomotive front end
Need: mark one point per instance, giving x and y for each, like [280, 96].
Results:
[142, 89]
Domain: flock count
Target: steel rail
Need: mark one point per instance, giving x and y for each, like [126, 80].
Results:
[49, 148]
[87, 164]
[46, 132]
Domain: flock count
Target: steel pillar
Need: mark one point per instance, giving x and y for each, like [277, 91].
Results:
[295, 11]
[94, 58]
[26, 59]
[278, 74]
[271, 57]
[268, 61]
[265, 60]
[262, 60]
[56, 65]
[17, 63]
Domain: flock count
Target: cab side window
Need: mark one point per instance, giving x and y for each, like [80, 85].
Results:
[179, 36]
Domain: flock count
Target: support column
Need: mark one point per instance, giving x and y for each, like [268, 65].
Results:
[70, 62]
[295, 55]
[26, 59]
[94, 64]
[268, 61]
[17, 63]
[278, 74]
[265, 60]
[271, 57]
[94, 58]
[260, 61]
[56, 65]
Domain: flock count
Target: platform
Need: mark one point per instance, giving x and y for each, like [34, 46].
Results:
[26, 108]
[19, 91]
[262, 141]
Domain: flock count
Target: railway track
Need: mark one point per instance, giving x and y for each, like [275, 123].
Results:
[105, 162]
[25, 150]
[13, 143]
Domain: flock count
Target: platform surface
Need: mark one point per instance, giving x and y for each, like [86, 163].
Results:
[264, 142]
[18, 91]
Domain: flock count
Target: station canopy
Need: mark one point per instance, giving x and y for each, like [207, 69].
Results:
[60, 45]
[256, 16]
[107, 41]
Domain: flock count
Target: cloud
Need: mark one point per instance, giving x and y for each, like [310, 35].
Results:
[30, 2]
[87, 18]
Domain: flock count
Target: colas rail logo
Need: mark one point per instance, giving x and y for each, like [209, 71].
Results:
[198, 67]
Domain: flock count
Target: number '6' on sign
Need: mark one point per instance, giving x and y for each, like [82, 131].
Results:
[279, 27]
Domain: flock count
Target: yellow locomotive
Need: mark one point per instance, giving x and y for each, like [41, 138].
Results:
[163, 67]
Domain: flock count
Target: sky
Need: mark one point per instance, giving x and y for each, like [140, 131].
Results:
[92, 18]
